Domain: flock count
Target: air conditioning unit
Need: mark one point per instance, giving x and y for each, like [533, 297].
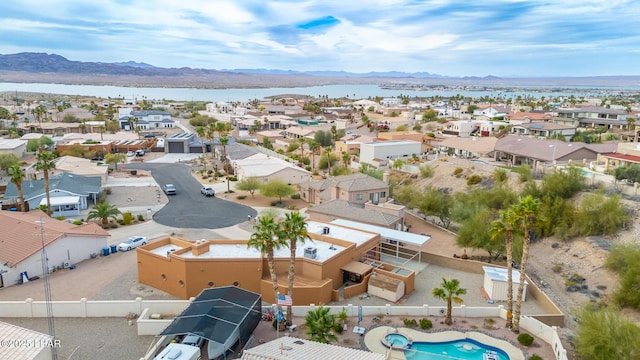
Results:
[311, 252]
[66, 264]
[325, 230]
[170, 251]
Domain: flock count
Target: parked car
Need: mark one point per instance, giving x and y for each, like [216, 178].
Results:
[130, 153]
[169, 189]
[194, 339]
[140, 152]
[132, 243]
[207, 191]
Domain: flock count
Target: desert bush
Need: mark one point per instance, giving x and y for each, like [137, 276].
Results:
[425, 324]
[60, 217]
[140, 217]
[127, 218]
[295, 196]
[525, 339]
[241, 197]
[556, 268]
[457, 172]
[134, 172]
[535, 357]
[474, 179]
[410, 322]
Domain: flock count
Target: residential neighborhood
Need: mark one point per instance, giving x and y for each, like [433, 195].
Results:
[386, 201]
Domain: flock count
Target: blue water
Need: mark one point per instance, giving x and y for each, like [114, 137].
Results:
[333, 91]
[459, 349]
[397, 340]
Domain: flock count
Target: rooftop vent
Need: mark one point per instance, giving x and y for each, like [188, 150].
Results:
[311, 252]
[325, 230]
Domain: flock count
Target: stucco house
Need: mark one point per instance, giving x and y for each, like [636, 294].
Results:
[337, 257]
[69, 193]
[146, 120]
[518, 150]
[265, 168]
[356, 188]
[22, 236]
[469, 147]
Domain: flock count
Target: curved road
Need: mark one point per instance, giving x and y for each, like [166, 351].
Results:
[189, 208]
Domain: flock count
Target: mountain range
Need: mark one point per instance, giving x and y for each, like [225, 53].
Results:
[29, 67]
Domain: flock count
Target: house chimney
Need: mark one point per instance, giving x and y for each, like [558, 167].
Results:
[385, 177]
[200, 247]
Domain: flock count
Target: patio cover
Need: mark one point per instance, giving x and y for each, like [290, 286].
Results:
[62, 200]
[219, 315]
[356, 267]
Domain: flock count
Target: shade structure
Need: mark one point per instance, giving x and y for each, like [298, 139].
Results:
[220, 315]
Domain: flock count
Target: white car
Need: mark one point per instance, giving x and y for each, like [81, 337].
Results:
[207, 191]
[130, 153]
[132, 243]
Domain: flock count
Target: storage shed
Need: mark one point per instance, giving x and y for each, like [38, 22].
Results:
[495, 283]
[385, 287]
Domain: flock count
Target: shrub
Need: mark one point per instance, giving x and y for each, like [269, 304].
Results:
[295, 196]
[121, 221]
[114, 225]
[535, 357]
[241, 197]
[410, 322]
[77, 222]
[556, 268]
[127, 218]
[525, 339]
[457, 172]
[140, 217]
[61, 217]
[233, 178]
[474, 179]
[134, 172]
[425, 324]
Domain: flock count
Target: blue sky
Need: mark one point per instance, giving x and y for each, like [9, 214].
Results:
[447, 37]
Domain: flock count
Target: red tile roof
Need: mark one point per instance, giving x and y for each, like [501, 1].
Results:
[20, 233]
[624, 157]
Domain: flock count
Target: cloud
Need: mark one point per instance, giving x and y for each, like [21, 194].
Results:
[449, 37]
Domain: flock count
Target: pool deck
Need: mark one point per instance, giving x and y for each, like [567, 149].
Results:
[373, 340]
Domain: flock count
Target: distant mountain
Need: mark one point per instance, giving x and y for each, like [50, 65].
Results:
[389, 74]
[134, 64]
[51, 63]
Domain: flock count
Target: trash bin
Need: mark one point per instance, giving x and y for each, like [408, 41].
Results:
[114, 249]
[105, 251]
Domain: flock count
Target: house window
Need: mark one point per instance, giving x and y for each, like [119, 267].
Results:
[358, 197]
[383, 194]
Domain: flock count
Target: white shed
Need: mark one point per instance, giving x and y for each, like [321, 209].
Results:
[495, 283]
[385, 287]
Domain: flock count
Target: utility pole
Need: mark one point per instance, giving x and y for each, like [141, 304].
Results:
[47, 291]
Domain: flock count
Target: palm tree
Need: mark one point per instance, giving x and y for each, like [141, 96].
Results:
[507, 226]
[321, 326]
[103, 211]
[115, 159]
[527, 211]
[346, 158]
[314, 146]
[266, 238]
[294, 230]
[45, 162]
[201, 134]
[211, 134]
[17, 176]
[450, 291]
[302, 140]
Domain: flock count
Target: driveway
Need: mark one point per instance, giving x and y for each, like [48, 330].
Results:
[189, 208]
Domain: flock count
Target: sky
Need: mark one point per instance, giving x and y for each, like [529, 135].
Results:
[508, 38]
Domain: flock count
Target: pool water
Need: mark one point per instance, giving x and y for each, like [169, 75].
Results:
[459, 349]
[397, 340]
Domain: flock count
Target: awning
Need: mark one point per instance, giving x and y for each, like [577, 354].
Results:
[62, 200]
[356, 267]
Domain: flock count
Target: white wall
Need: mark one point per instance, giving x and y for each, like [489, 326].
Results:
[71, 247]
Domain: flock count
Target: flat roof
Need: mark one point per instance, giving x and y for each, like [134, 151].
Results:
[342, 232]
[403, 236]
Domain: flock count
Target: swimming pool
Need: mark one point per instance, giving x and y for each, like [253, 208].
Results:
[397, 341]
[459, 349]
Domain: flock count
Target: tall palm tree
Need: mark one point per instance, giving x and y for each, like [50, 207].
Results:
[201, 134]
[45, 162]
[450, 291]
[314, 146]
[211, 134]
[267, 237]
[507, 226]
[527, 211]
[302, 140]
[103, 211]
[17, 176]
[294, 230]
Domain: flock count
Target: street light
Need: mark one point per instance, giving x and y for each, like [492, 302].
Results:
[47, 291]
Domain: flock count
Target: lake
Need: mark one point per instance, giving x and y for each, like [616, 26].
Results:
[332, 91]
